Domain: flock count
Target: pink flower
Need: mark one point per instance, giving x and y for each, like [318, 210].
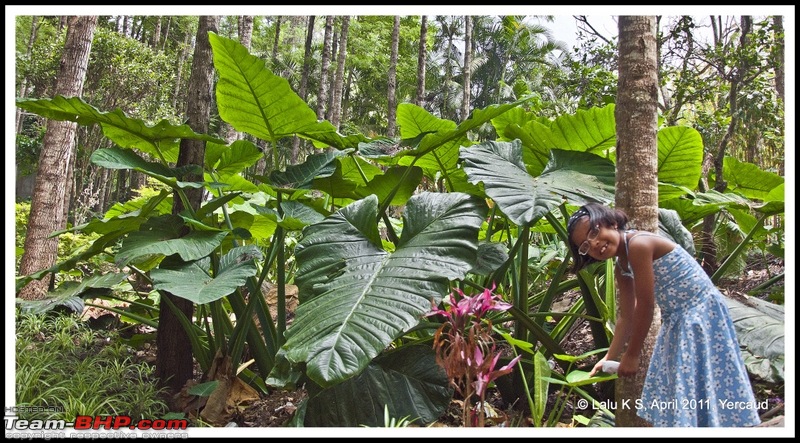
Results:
[487, 374]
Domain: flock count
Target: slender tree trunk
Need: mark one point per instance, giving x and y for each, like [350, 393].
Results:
[780, 72]
[123, 190]
[23, 86]
[338, 86]
[421, 57]
[322, 97]
[49, 196]
[157, 33]
[102, 185]
[275, 43]
[467, 66]
[178, 76]
[127, 25]
[708, 251]
[332, 75]
[448, 71]
[636, 114]
[166, 33]
[174, 362]
[392, 92]
[246, 31]
[304, 82]
[346, 109]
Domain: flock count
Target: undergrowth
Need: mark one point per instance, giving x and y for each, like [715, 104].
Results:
[65, 369]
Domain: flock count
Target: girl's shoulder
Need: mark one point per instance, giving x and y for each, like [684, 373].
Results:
[640, 242]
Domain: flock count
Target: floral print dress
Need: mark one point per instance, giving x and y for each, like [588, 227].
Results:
[696, 376]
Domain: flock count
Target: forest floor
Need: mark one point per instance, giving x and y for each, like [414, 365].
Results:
[278, 408]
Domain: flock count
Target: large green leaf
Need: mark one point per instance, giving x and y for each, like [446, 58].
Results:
[229, 160]
[260, 225]
[536, 145]
[408, 382]
[576, 177]
[160, 204]
[356, 298]
[162, 236]
[71, 294]
[749, 180]
[159, 140]
[296, 215]
[680, 157]
[588, 130]
[760, 328]
[398, 181]
[117, 158]
[254, 100]
[669, 223]
[192, 280]
[437, 151]
[301, 176]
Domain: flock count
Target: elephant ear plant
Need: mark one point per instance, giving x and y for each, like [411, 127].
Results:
[357, 299]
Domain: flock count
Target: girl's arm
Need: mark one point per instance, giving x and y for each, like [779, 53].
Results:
[640, 257]
[622, 327]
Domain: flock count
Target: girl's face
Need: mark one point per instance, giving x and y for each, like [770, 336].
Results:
[597, 241]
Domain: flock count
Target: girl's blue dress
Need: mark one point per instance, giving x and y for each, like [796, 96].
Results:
[696, 376]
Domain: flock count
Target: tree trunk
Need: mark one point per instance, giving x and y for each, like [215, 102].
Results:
[166, 34]
[275, 44]
[780, 72]
[157, 33]
[322, 97]
[338, 85]
[636, 116]
[708, 251]
[304, 82]
[181, 60]
[174, 362]
[448, 71]
[392, 90]
[421, 57]
[246, 31]
[49, 196]
[23, 86]
[123, 190]
[127, 25]
[467, 66]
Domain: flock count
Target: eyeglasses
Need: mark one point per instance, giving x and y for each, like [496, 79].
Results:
[585, 246]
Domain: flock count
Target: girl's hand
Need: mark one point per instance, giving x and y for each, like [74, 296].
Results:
[628, 366]
[598, 366]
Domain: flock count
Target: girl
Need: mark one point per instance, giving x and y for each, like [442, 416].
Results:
[696, 375]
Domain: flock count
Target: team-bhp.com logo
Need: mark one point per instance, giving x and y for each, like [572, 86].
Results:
[87, 422]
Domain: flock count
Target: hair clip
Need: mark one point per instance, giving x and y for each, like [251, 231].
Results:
[576, 215]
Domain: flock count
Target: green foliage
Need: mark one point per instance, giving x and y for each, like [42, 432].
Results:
[29, 145]
[69, 243]
[126, 74]
[363, 288]
[71, 370]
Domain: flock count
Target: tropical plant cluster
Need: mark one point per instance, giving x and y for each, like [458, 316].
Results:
[374, 232]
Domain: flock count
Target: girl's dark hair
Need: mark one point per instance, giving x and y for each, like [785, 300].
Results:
[598, 215]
